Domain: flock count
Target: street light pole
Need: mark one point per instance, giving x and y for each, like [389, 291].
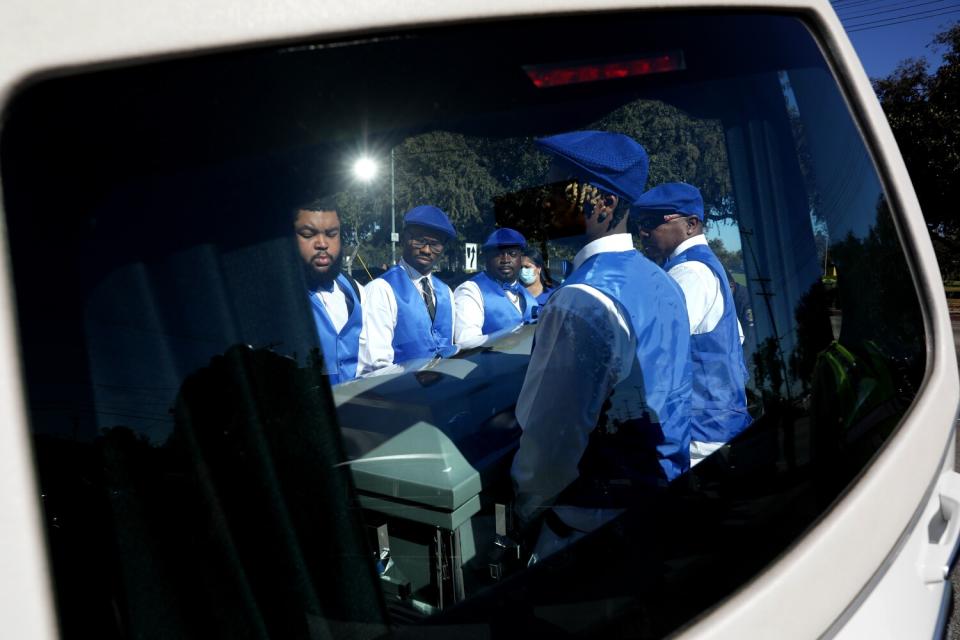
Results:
[826, 252]
[393, 214]
[364, 169]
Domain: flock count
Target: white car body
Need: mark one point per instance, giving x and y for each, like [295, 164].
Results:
[866, 569]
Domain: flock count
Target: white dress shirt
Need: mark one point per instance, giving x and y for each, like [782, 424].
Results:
[335, 303]
[701, 289]
[468, 329]
[380, 319]
[584, 348]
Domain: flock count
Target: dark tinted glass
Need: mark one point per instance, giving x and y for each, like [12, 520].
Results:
[200, 475]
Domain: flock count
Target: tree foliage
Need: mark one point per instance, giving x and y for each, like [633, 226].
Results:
[681, 149]
[923, 109]
[731, 260]
[464, 175]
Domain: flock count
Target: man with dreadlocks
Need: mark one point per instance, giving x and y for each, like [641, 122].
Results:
[605, 403]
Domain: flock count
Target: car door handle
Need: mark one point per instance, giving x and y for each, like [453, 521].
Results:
[943, 530]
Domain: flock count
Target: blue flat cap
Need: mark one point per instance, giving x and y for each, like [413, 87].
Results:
[505, 238]
[609, 161]
[675, 197]
[430, 217]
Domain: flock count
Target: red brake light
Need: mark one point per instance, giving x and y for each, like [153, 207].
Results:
[555, 75]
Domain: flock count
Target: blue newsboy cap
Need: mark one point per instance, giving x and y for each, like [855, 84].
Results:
[505, 238]
[611, 162]
[676, 197]
[430, 217]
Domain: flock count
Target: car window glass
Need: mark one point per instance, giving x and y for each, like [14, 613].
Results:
[213, 465]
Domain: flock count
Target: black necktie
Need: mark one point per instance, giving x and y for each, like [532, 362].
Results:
[428, 298]
[328, 288]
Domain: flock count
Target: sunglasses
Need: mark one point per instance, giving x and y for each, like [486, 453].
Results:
[651, 221]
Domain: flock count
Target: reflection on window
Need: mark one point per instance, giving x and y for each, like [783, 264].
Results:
[202, 476]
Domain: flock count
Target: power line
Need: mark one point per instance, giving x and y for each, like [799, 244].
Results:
[839, 8]
[881, 23]
[844, 12]
[901, 7]
[866, 26]
[857, 6]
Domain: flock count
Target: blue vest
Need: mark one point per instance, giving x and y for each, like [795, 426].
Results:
[718, 408]
[339, 349]
[642, 437]
[498, 311]
[543, 297]
[415, 336]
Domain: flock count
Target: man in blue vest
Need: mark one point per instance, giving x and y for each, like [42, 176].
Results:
[336, 300]
[670, 217]
[605, 403]
[494, 299]
[408, 312]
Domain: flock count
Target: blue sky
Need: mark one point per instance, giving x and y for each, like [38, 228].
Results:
[885, 32]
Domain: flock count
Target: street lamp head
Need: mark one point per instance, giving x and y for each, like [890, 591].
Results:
[365, 169]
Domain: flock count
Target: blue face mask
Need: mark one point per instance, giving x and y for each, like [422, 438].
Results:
[527, 276]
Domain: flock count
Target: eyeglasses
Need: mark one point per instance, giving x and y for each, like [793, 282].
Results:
[419, 243]
[652, 221]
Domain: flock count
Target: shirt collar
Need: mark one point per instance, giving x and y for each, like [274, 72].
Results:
[689, 242]
[500, 283]
[607, 244]
[412, 273]
[324, 288]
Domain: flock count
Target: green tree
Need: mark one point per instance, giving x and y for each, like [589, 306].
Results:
[731, 260]
[466, 175]
[681, 149]
[923, 109]
[449, 171]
